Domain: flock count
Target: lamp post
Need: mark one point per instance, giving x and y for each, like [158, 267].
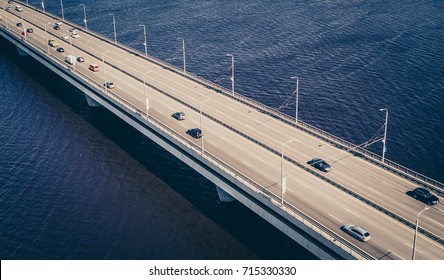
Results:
[114, 23]
[46, 35]
[384, 149]
[282, 170]
[144, 36]
[61, 5]
[84, 16]
[416, 231]
[201, 123]
[232, 73]
[297, 98]
[104, 69]
[147, 101]
[43, 5]
[183, 54]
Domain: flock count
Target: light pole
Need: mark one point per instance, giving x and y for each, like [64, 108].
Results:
[43, 5]
[282, 170]
[84, 16]
[114, 23]
[416, 231]
[104, 69]
[46, 35]
[201, 123]
[297, 97]
[232, 73]
[147, 101]
[183, 54]
[63, 14]
[384, 149]
[144, 36]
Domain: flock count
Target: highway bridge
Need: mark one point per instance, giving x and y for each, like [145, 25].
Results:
[252, 153]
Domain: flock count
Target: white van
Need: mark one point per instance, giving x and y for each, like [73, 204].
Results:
[70, 59]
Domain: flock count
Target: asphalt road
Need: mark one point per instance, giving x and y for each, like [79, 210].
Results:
[310, 194]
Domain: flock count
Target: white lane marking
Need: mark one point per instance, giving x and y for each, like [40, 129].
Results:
[435, 221]
[374, 190]
[245, 163]
[391, 252]
[334, 217]
[261, 160]
[225, 139]
[408, 245]
[351, 212]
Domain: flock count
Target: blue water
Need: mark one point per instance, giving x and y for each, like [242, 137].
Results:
[78, 183]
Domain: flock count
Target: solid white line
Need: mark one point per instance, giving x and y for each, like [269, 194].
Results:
[245, 163]
[395, 254]
[435, 221]
[412, 247]
[335, 218]
[374, 190]
[351, 212]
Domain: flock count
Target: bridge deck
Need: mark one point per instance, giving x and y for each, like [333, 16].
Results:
[251, 142]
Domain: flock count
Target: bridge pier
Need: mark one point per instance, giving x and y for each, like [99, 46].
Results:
[224, 196]
[21, 52]
[91, 102]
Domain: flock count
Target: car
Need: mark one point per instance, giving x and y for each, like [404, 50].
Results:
[425, 196]
[19, 24]
[24, 33]
[179, 116]
[75, 35]
[29, 30]
[10, 2]
[109, 85]
[60, 49]
[64, 37]
[59, 23]
[73, 30]
[320, 164]
[357, 232]
[8, 9]
[195, 132]
[57, 27]
[93, 67]
[80, 59]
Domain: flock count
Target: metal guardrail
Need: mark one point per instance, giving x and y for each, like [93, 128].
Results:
[333, 236]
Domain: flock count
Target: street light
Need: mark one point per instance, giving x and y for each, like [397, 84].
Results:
[232, 73]
[114, 23]
[384, 149]
[282, 170]
[297, 97]
[61, 5]
[416, 231]
[46, 35]
[84, 16]
[43, 5]
[183, 54]
[104, 69]
[201, 123]
[144, 35]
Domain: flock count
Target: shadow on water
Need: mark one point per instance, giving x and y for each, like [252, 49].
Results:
[251, 230]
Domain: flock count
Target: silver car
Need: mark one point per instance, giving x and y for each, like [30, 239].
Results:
[357, 232]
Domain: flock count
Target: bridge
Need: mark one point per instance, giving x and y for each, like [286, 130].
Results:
[252, 153]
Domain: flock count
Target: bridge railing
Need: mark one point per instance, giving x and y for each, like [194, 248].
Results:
[341, 143]
[293, 211]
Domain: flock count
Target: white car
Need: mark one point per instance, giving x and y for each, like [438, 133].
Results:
[65, 37]
[75, 35]
[357, 232]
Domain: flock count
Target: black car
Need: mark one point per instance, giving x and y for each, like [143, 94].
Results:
[179, 116]
[19, 24]
[56, 27]
[80, 59]
[320, 164]
[425, 196]
[60, 49]
[29, 30]
[195, 132]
